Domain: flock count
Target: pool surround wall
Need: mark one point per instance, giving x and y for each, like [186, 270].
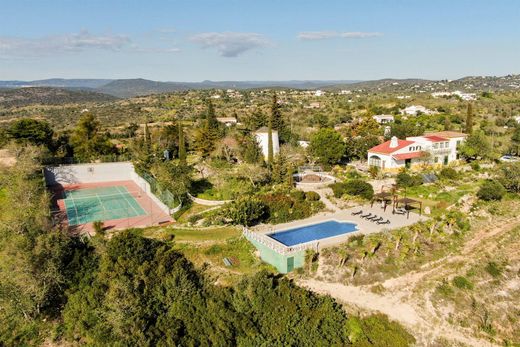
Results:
[291, 260]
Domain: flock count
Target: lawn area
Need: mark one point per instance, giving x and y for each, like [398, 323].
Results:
[196, 235]
[223, 186]
[207, 248]
[433, 194]
[192, 210]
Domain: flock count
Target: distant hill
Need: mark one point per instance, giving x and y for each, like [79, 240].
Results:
[57, 83]
[125, 88]
[133, 87]
[48, 96]
[470, 84]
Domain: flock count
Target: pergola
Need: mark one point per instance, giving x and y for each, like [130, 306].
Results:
[385, 197]
[408, 205]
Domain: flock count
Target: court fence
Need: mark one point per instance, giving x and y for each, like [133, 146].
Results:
[163, 194]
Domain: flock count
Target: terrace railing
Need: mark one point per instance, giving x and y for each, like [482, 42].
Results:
[275, 245]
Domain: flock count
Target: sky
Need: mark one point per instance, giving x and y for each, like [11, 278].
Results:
[258, 40]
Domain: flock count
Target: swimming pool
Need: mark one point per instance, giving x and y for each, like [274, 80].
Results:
[313, 232]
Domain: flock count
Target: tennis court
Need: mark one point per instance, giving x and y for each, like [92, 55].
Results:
[100, 204]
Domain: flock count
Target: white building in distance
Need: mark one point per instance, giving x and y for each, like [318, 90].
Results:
[228, 121]
[263, 140]
[462, 95]
[416, 109]
[383, 118]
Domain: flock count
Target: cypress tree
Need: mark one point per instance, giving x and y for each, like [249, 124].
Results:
[182, 145]
[211, 117]
[469, 119]
[447, 123]
[270, 151]
[277, 121]
[147, 136]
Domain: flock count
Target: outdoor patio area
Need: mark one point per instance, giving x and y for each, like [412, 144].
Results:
[365, 226]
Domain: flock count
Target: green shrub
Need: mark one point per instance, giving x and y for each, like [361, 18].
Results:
[404, 179]
[462, 282]
[378, 330]
[99, 227]
[283, 207]
[493, 269]
[449, 173]
[475, 165]
[354, 187]
[298, 195]
[245, 211]
[338, 189]
[194, 218]
[312, 196]
[359, 188]
[491, 190]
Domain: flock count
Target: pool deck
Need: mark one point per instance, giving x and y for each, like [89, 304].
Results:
[364, 226]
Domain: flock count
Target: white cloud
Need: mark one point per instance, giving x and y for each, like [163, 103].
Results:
[76, 42]
[322, 35]
[231, 44]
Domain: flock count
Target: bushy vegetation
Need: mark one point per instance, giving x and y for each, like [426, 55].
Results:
[406, 180]
[354, 187]
[491, 190]
[246, 211]
[114, 307]
[448, 173]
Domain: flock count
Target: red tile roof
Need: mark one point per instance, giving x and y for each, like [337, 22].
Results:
[435, 138]
[411, 155]
[385, 148]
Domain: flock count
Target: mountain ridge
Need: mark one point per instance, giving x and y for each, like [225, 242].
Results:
[125, 88]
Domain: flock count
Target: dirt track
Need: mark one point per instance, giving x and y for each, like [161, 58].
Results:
[406, 298]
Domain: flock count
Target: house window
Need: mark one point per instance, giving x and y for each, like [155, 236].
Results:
[374, 161]
[436, 160]
[435, 145]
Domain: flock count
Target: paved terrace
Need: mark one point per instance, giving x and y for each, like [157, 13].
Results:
[364, 226]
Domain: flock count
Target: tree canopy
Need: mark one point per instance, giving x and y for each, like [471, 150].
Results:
[327, 146]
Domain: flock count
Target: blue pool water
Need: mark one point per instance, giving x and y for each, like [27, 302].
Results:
[313, 232]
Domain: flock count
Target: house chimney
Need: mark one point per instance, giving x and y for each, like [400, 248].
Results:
[394, 142]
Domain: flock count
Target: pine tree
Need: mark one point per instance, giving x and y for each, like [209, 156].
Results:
[182, 145]
[469, 119]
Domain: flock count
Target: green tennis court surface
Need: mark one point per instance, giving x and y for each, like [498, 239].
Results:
[104, 203]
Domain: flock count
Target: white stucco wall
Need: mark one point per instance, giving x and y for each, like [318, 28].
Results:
[88, 173]
[263, 141]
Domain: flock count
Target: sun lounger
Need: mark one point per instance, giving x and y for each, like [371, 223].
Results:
[377, 220]
[373, 217]
[385, 222]
[357, 213]
[366, 215]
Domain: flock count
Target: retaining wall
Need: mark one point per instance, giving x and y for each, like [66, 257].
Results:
[208, 202]
[283, 263]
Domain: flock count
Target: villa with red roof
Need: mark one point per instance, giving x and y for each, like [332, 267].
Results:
[439, 148]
